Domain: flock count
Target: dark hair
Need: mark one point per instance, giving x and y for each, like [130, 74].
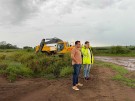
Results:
[86, 42]
[77, 42]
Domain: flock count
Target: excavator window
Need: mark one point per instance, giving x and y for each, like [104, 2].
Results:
[60, 47]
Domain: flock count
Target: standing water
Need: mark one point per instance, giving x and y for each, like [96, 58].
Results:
[127, 62]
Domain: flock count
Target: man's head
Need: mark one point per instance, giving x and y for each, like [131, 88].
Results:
[87, 44]
[78, 44]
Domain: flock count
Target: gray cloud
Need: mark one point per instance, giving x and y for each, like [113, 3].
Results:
[17, 11]
[103, 22]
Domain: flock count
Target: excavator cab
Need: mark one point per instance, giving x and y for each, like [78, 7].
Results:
[64, 47]
[60, 47]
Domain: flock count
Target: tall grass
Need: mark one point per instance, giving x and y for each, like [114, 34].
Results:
[66, 71]
[23, 63]
[15, 70]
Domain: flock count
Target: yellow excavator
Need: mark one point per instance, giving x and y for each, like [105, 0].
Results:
[54, 46]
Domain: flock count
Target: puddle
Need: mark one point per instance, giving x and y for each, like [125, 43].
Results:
[127, 62]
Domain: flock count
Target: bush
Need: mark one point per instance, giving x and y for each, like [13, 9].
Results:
[119, 50]
[15, 70]
[45, 61]
[35, 67]
[66, 71]
[15, 56]
[38, 65]
[29, 50]
[24, 64]
[48, 70]
[3, 66]
[54, 65]
[26, 57]
[59, 65]
[27, 47]
[132, 48]
[56, 68]
[2, 57]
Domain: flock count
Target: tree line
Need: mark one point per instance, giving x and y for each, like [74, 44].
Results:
[4, 45]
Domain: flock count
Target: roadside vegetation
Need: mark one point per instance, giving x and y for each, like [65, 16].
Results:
[25, 63]
[122, 75]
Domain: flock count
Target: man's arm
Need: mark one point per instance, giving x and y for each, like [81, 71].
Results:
[73, 57]
[83, 52]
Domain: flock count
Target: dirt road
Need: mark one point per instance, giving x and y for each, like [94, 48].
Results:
[101, 88]
[127, 62]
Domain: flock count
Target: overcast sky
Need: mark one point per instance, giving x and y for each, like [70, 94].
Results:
[102, 22]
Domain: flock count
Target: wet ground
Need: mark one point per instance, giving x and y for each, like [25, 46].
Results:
[127, 62]
[100, 88]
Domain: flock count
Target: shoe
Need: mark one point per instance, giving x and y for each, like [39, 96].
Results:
[79, 84]
[75, 88]
[88, 78]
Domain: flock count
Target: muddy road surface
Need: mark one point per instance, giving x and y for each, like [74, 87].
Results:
[100, 88]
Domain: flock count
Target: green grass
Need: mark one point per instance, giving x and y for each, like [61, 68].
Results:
[121, 73]
[16, 69]
[66, 71]
[121, 70]
[2, 56]
[125, 80]
[13, 70]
